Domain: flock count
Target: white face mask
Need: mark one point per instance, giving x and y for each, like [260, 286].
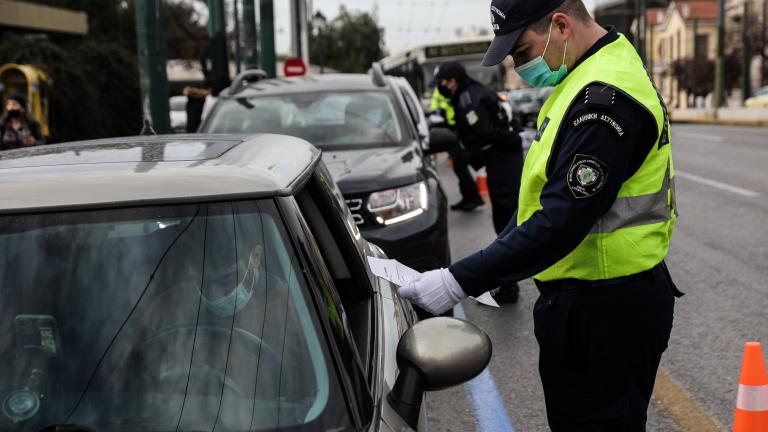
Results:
[236, 300]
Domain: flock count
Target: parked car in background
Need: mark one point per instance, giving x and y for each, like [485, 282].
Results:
[203, 283]
[526, 104]
[375, 141]
[759, 100]
[178, 106]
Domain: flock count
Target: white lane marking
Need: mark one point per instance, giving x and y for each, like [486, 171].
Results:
[713, 138]
[717, 184]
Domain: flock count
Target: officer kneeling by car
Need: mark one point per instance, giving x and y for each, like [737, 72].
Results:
[485, 132]
[595, 217]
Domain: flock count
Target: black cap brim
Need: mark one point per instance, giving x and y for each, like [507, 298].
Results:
[501, 46]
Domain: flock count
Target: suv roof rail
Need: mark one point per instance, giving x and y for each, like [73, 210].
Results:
[377, 73]
[246, 76]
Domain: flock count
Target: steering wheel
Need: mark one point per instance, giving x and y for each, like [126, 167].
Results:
[247, 340]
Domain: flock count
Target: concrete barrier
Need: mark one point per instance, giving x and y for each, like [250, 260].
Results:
[730, 116]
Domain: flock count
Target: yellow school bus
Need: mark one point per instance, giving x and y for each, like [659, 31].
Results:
[34, 84]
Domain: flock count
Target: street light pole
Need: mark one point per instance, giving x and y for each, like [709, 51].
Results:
[318, 23]
[249, 35]
[153, 77]
[720, 60]
[237, 37]
[745, 65]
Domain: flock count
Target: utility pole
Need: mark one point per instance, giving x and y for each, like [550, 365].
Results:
[153, 76]
[237, 36]
[643, 30]
[746, 87]
[250, 38]
[267, 17]
[720, 60]
[217, 34]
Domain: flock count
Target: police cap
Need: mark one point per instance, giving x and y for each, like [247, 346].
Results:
[450, 69]
[510, 18]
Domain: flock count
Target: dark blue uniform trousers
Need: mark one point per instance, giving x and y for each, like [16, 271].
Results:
[467, 185]
[504, 168]
[600, 347]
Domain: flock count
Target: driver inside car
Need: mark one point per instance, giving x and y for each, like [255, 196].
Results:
[231, 286]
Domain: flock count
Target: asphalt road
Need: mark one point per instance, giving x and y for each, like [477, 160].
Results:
[719, 258]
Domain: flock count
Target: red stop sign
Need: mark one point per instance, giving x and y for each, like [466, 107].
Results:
[294, 66]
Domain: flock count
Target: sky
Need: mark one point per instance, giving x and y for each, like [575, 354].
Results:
[405, 22]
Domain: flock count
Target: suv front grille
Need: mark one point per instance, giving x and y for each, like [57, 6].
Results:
[356, 207]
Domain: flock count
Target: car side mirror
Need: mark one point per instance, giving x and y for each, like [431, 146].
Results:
[441, 139]
[433, 355]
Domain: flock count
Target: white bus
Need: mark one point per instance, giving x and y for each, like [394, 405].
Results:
[417, 64]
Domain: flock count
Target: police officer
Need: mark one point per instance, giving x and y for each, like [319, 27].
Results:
[470, 195]
[484, 130]
[595, 217]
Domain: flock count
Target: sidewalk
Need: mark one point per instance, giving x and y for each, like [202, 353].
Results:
[722, 116]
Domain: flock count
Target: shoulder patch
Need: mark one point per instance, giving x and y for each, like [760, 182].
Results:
[472, 118]
[465, 99]
[586, 176]
[598, 117]
[600, 95]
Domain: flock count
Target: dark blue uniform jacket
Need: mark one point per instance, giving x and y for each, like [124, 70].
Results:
[564, 221]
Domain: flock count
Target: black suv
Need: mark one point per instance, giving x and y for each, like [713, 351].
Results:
[374, 139]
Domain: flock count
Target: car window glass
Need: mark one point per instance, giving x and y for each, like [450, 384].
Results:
[327, 120]
[190, 317]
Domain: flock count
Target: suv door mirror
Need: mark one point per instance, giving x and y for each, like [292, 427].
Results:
[433, 355]
[441, 140]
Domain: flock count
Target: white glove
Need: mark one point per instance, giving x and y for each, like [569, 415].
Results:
[435, 291]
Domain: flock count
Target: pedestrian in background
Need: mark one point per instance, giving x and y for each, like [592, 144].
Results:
[484, 130]
[595, 218]
[470, 195]
[18, 127]
[196, 97]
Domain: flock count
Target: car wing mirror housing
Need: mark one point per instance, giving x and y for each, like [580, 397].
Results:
[433, 355]
[442, 139]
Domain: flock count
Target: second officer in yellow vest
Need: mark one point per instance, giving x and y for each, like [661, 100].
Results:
[596, 213]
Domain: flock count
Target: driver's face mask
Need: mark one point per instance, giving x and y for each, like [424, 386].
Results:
[236, 300]
[374, 116]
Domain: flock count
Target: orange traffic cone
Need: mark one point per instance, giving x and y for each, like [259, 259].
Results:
[482, 182]
[752, 400]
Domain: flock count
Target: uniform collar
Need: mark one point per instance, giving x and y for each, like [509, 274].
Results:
[608, 38]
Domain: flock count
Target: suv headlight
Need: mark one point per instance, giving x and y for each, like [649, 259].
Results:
[396, 205]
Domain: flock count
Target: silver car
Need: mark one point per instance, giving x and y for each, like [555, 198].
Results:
[203, 283]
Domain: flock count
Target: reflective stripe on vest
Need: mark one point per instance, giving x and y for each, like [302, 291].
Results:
[638, 210]
[633, 236]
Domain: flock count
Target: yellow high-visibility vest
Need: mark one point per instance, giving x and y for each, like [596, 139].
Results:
[634, 234]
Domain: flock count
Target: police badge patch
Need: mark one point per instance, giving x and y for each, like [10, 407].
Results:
[472, 118]
[586, 176]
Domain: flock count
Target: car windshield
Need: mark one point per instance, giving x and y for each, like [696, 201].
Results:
[192, 317]
[327, 120]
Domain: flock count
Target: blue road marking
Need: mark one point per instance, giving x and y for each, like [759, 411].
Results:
[490, 413]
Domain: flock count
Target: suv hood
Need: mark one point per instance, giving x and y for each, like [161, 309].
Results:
[370, 170]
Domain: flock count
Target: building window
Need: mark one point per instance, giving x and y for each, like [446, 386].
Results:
[702, 46]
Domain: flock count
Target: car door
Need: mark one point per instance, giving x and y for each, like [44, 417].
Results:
[372, 316]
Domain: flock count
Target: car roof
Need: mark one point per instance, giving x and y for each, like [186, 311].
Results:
[167, 169]
[309, 83]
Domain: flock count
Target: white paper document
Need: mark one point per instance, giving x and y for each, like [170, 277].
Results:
[392, 270]
[400, 274]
